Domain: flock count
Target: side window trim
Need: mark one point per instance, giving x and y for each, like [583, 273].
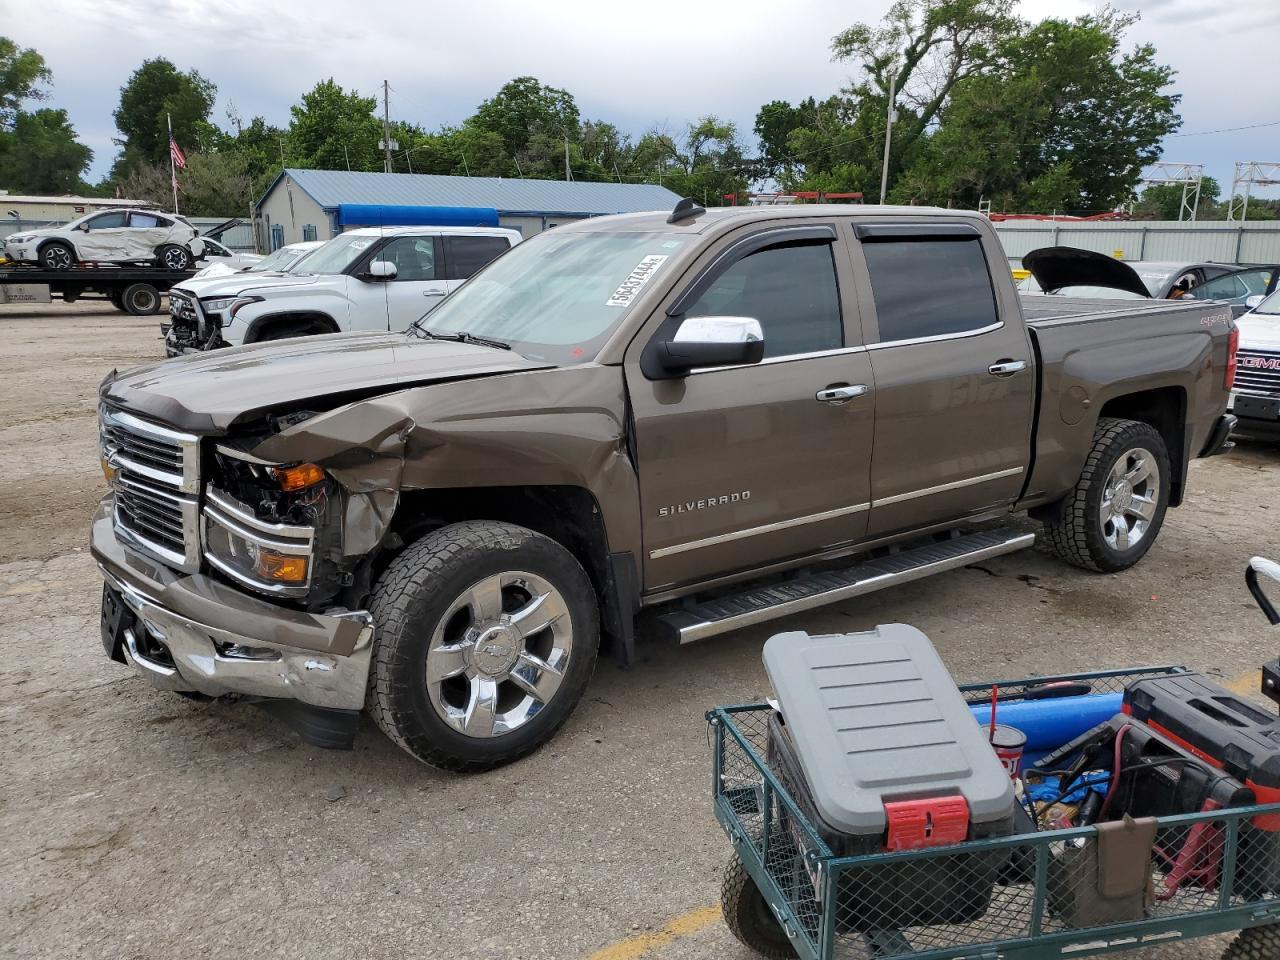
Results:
[740, 250]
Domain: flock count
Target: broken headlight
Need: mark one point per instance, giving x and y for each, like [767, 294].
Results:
[273, 558]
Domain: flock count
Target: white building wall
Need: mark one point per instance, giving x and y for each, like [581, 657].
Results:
[1248, 242]
[288, 207]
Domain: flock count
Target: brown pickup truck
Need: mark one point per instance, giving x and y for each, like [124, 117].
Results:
[733, 415]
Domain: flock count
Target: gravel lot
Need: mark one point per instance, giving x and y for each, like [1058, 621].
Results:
[134, 824]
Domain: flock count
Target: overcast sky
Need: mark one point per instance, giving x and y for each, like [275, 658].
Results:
[662, 62]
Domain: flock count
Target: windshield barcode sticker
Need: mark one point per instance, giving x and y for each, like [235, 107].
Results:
[636, 280]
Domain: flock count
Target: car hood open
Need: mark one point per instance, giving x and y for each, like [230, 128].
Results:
[1057, 267]
[208, 392]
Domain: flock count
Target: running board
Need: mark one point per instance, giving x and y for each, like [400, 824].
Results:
[712, 617]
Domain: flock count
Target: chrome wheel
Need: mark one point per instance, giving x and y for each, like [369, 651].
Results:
[499, 654]
[1130, 499]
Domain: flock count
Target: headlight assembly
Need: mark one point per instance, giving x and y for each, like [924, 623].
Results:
[229, 305]
[274, 558]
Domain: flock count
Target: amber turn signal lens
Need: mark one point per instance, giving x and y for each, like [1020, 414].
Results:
[108, 471]
[281, 567]
[297, 478]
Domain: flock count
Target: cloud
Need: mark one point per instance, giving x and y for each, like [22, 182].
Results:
[663, 63]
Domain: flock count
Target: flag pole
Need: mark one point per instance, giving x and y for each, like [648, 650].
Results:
[173, 171]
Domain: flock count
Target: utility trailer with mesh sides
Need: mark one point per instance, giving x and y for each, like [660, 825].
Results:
[132, 289]
[786, 894]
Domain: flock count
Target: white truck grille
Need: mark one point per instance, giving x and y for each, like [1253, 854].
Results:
[157, 487]
[1258, 372]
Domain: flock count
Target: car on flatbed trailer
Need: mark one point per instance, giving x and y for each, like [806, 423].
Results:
[135, 290]
[730, 415]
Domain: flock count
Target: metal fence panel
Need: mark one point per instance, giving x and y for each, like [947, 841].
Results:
[1153, 240]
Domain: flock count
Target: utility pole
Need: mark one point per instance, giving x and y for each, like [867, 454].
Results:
[568, 174]
[888, 130]
[386, 125]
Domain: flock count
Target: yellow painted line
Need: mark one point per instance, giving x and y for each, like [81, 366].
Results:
[1246, 684]
[642, 944]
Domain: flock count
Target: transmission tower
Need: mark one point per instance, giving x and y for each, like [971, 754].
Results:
[1189, 175]
[1249, 174]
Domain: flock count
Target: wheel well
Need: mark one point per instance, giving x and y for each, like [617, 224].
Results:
[318, 322]
[569, 515]
[1165, 409]
[58, 240]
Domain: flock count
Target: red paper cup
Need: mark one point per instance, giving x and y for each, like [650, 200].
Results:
[1008, 743]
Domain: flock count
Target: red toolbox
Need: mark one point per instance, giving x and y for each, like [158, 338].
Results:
[1233, 735]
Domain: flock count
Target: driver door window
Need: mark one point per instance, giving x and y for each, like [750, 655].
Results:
[791, 290]
[414, 258]
[418, 284]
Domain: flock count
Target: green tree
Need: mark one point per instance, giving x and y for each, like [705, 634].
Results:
[41, 154]
[1064, 120]
[524, 108]
[333, 129]
[23, 75]
[155, 92]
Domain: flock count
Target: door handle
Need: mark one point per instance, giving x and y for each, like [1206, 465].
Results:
[434, 293]
[1007, 368]
[842, 393]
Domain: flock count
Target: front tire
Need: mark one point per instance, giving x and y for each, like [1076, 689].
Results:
[487, 634]
[748, 916]
[1112, 516]
[57, 256]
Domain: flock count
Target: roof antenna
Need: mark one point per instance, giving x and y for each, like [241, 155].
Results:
[686, 209]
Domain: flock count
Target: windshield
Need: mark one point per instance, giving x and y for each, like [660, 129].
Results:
[1269, 306]
[338, 254]
[557, 296]
[276, 260]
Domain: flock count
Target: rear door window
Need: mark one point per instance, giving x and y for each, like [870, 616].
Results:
[790, 289]
[466, 255]
[930, 287]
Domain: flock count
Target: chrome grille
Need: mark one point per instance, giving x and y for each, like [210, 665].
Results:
[1257, 372]
[181, 307]
[157, 507]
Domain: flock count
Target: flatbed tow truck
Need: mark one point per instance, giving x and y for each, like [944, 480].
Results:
[136, 290]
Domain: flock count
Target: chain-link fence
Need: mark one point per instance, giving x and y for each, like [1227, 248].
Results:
[1146, 881]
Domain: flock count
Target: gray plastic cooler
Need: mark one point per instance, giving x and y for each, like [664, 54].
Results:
[879, 750]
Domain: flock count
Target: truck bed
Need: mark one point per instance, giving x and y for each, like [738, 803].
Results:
[1041, 310]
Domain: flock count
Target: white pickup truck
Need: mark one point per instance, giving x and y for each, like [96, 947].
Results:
[369, 279]
[1256, 398]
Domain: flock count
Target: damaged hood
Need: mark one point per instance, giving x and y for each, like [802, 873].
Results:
[207, 392]
[1058, 267]
[235, 284]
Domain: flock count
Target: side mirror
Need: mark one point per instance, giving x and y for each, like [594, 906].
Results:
[711, 342]
[1254, 301]
[381, 270]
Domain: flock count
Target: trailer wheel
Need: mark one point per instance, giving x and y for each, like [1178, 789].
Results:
[140, 299]
[748, 915]
[57, 256]
[173, 257]
[1256, 943]
[1112, 516]
[117, 299]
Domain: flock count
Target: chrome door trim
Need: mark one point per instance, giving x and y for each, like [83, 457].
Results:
[784, 358]
[944, 487]
[756, 531]
[841, 394]
[1007, 368]
[960, 335]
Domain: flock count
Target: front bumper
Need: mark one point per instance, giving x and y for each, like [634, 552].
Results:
[192, 633]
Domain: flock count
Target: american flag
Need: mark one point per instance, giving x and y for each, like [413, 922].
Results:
[175, 151]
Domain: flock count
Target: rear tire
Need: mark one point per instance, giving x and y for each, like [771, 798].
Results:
[140, 299]
[57, 256]
[1256, 943]
[486, 636]
[117, 300]
[173, 257]
[1112, 516]
[748, 916]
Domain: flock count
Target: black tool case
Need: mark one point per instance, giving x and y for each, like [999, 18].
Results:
[881, 753]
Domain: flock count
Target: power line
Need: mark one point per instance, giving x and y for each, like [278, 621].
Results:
[1205, 133]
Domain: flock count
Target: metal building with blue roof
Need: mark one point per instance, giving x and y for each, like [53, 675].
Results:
[319, 204]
